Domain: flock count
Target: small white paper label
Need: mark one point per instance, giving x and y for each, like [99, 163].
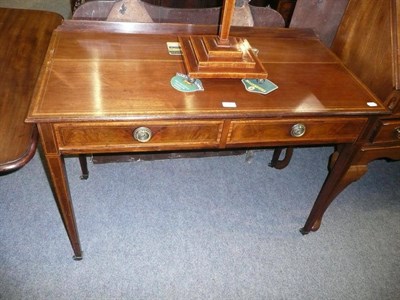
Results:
[372, 104]
[229, 104]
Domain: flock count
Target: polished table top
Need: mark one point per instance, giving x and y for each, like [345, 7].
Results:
[112, 71]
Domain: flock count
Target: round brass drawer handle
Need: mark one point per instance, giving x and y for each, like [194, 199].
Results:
[397, 132]
[298, 130]
[142, 134]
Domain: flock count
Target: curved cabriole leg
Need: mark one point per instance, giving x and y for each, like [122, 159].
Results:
[340, 176]
[281, 163]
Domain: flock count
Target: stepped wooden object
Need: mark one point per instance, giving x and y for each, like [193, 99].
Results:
[221, 56]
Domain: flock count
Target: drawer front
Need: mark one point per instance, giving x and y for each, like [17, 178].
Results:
[388, 131]
[121, 136]
[311, 131]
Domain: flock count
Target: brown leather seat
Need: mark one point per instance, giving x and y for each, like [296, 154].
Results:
[99, 10]
[323, 16]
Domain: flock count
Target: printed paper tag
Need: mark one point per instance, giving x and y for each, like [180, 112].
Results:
[183, 83]
[174, 48]
[261, 86]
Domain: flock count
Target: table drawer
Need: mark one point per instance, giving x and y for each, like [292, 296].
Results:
[128, 136]
[388, 131]
[313, 131]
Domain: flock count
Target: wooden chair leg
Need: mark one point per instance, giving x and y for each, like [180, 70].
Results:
[84, 168]
[281, 163]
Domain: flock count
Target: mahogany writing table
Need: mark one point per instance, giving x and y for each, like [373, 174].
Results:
[102, 82]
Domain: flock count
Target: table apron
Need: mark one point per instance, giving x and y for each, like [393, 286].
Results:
[168, 135]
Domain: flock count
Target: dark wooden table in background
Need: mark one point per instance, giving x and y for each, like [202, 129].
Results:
[24, 38]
